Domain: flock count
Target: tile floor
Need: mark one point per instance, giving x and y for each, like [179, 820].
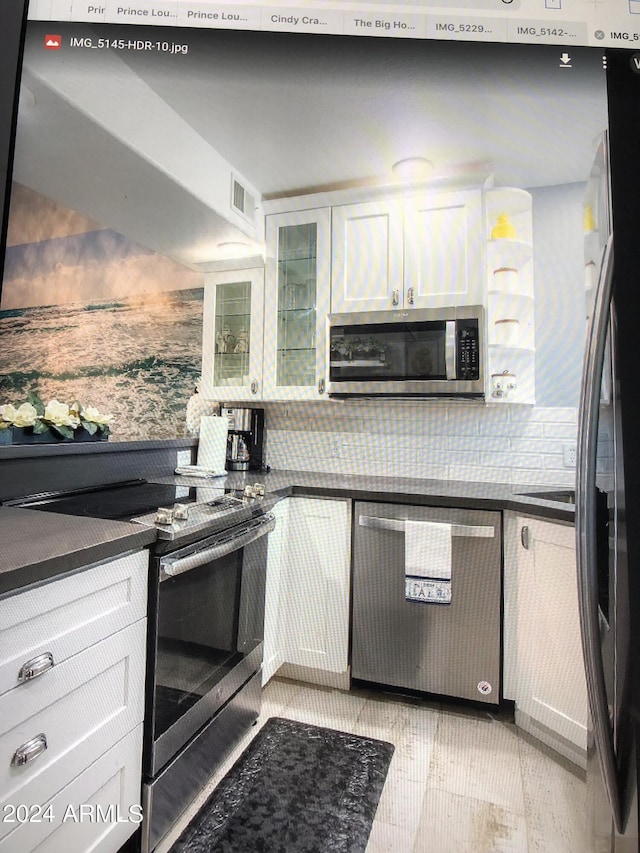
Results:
[460, 781]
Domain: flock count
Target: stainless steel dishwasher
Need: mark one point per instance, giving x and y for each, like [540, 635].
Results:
[434, 624]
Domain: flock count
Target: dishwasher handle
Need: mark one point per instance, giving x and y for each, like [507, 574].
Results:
[397, 525]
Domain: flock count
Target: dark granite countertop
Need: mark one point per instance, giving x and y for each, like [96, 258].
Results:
[450, 493]
[37, 546]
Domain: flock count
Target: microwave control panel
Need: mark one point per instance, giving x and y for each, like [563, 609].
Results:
[468, 345]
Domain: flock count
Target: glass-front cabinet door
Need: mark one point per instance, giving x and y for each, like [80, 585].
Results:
[296, 304]
[232, 337]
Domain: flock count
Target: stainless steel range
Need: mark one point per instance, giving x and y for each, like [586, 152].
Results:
[205, 628]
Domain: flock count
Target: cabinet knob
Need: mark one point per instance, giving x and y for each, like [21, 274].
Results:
[35, 667]
[524, 537]
[29, 750]
[320, 386]
[410, 296]
[254, 386]
[395, 297]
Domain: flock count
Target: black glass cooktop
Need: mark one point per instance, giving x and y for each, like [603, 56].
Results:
[117, 502]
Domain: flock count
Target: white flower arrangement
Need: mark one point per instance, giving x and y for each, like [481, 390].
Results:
[58, 417]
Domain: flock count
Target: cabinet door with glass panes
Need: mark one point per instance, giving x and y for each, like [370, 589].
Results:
[232, 335]
[297, 295]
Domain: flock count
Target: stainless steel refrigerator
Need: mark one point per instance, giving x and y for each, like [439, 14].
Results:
[608, 474]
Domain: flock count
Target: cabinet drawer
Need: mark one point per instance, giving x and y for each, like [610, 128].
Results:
[61, 618]
[83, 708]
[108, 790]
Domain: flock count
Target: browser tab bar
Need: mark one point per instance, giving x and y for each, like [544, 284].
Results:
[384, 24]
[219, 15]
[304, 19]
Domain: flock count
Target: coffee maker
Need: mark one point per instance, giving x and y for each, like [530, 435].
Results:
[245, 438]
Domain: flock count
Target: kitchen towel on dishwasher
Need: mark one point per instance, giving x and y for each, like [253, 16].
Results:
[427, 550]
[212, 444]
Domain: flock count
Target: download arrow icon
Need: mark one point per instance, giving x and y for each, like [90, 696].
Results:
[565, 59]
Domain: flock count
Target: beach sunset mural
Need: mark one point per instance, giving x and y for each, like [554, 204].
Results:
[88, 315]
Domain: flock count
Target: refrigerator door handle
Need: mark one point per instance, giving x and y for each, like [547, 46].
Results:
[586, 534]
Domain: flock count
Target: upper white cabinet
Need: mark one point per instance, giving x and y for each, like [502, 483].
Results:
[510, 296]
[544, 670]
[297, 286]
[418, 252]
[367, 257]
[233, 335]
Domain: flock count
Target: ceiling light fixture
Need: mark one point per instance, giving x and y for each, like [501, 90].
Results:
[412, 169]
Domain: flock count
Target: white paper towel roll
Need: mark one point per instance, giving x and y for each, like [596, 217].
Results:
[212, 446]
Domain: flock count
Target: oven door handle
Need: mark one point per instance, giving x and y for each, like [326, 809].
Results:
[171, 567]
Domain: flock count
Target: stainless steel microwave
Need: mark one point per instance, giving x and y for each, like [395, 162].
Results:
[407, 353]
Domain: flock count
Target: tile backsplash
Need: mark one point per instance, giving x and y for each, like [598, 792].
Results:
[434, 440]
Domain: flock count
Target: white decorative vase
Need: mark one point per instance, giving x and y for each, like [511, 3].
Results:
[198, 407]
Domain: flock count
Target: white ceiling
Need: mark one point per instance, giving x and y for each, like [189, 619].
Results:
[289, 113]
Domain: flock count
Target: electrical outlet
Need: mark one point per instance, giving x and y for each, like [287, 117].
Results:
[336, 447]
[183, 458]
[569, 455]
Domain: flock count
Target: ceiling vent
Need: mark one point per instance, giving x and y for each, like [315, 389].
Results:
[242, 201]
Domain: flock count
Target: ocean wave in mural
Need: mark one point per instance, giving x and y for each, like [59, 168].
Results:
[137, 358]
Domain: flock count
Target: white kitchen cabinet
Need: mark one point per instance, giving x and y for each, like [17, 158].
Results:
[421, 251]
[274, 635]
[308, 582]
[367, 264]
[95, 813]
[297, 295]
[443, 250]
[73, 674]
[316, 584]
[233, 329]
[543, 667]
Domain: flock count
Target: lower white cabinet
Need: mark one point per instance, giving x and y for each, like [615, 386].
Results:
[273, 656]
[94, 813]
[543, 666]
[308, 591]
[72, 709]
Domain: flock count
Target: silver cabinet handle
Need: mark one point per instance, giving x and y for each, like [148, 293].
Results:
[395, 297]
[320, 386]
[35, 667]
[254, 386]
[524, 537]
[410, 296]
[586, 531]
[397, 525]
[29, 751]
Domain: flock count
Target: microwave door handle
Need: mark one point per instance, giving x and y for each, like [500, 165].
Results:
[450, 349]
[170, 567]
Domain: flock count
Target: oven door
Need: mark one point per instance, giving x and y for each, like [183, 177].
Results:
[205, 633]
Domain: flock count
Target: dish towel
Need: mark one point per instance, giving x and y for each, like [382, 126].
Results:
[212, 444]
[427, 550]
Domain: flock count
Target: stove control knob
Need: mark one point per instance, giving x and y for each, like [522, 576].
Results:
[181, 512]
[164, 515]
